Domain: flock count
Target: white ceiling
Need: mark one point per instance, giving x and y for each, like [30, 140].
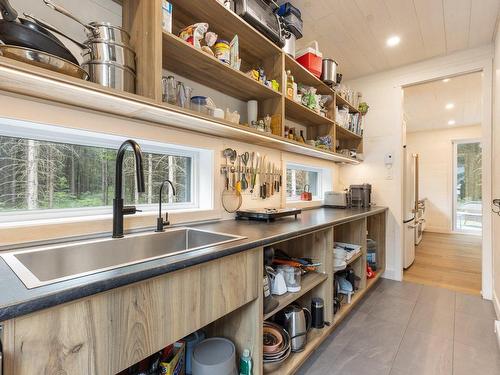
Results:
[425, 104]
[354, 32]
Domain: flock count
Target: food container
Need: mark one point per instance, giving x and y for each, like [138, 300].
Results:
[166, 10]
[222, 51]
[311, 59]
[202, 104]
[293, 278]
[329, 71]
[216, 355]
[111, 74]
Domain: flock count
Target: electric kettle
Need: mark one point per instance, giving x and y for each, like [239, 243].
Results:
[297, 321]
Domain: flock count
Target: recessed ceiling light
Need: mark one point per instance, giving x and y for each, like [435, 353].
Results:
[393, 41]
[446, 80]
[451, 122]
[450, 106]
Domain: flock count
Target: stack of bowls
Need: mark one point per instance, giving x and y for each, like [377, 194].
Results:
[109, 59]
[277, 346]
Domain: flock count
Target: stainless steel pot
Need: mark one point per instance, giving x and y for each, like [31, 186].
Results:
[43, 60]
[110, 33]
[103, 51]
[100, 30]
[329, 73]
[111, 74]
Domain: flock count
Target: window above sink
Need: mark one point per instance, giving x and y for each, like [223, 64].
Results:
[53, 172]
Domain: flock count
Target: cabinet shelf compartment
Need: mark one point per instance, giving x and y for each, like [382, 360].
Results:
[182, 58]
[304, 76]
[299, 113]
[342, 102]
[309, 281]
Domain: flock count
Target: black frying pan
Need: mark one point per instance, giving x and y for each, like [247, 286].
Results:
[29, 35]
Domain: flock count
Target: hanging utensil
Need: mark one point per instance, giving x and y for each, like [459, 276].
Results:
[238, 182]
[244, 158]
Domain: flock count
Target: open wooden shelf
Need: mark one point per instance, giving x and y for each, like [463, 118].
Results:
[184, 59]
[304, 76]
[342, 102]
[347, 134]
[314, 338]
[309, 281]
[224, 20]
[40, 83]
[299, 113]
[346, 308]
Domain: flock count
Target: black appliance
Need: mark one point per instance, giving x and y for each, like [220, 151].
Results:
[260, 14]
[317, 312]
[267, 214]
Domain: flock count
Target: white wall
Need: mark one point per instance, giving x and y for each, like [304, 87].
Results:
[435, 150]
[496, 170]
[384, 134]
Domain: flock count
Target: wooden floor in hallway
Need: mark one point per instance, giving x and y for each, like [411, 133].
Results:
[450, 261]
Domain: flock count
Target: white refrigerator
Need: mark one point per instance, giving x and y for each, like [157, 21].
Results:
[410, 204]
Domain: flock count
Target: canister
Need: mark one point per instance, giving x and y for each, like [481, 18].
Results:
[223, 51]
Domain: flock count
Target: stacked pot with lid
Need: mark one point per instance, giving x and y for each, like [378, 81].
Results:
[108, 57]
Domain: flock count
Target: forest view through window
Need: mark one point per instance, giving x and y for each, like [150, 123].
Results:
[42, 175]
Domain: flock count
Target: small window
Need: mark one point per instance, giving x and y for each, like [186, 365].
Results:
[300, 178]
[52, 172]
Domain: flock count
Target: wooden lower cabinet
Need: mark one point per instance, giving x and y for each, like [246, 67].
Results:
[106, 333]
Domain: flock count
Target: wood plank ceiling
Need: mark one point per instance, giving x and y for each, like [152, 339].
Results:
[354, 32]
[425, 105]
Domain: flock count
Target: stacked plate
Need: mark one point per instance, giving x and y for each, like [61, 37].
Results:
[277, 346]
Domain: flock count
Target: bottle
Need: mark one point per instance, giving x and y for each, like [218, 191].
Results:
[290, 133]
[289, 84]
[301, 138]
[246, 363]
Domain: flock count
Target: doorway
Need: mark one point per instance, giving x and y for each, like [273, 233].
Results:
[444, 128]
[467, 197]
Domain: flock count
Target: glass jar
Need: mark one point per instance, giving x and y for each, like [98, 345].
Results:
[169, 88]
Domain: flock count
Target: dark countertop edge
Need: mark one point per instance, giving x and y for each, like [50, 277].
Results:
[83, 291]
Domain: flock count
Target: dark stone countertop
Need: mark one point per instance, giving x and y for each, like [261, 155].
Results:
[16, 300]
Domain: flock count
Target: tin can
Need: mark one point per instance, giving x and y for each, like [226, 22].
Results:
[223, 51]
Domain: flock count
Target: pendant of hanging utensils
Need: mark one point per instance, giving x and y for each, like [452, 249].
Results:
[251, 172]
[107, 54]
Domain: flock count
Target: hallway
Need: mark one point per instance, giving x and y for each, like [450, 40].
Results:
[451, 261]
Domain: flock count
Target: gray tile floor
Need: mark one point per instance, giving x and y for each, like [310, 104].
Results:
[411, 329]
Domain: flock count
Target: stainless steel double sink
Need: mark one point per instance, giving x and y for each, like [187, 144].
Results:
[50, 264]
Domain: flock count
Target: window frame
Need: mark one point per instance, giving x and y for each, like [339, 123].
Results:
[201, 167]
[308, 168]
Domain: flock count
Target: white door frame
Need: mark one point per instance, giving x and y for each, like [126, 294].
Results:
[454, 184]
[480, 61]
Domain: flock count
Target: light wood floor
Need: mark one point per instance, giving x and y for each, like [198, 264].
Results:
[450, 261]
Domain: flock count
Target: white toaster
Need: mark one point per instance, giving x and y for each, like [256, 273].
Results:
[336, 199]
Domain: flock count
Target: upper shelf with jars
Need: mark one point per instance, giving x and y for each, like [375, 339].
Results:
[217, 44]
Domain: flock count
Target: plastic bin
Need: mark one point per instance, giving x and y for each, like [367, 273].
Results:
[311, 59]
